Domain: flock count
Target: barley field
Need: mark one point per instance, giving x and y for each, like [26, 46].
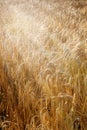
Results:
[43, 64]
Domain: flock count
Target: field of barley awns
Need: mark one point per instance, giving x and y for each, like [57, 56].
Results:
[43, 64]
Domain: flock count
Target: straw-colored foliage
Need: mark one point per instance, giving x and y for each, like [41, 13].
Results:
[43, 65]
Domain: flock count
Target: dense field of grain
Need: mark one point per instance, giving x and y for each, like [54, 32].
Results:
[43, 64]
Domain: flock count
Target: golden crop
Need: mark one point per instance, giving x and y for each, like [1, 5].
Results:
[43, 65]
